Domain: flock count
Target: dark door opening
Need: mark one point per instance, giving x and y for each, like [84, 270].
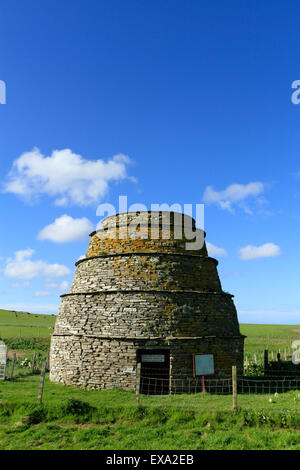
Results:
[155, 371]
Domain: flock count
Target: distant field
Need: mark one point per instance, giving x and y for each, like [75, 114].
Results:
[271, 337]
[25, 325]
[259, 337]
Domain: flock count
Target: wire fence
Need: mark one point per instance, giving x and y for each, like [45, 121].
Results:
[158, 382]
[271, 385]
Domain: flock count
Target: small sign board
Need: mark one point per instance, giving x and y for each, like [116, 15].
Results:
[3, 357]
[296, 353]
[153, 358]
[203, 364]
[296, 357]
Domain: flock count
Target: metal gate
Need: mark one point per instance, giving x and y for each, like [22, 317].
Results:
[3, 358]
[155, 371]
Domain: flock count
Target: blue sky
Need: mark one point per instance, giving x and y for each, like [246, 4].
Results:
[165, 102]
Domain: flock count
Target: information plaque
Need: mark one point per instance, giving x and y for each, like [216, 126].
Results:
[153, 358]
[203, 364]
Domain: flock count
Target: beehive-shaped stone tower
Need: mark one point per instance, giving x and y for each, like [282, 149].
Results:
[143, 297]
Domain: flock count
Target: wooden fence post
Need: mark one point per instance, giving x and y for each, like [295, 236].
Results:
[247, 364]
[278, 360]
[48, 360]
[266, 359]
[33, 362]
[42, 380]
[234, 389]
[138, 383]
[12, 366]
[170, 379]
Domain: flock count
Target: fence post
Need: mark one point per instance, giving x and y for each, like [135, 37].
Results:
[234, 389]
[170, 378]
[246, 364]
[138, 383]
[32, 362]
[48, 360]
[42, 380]
[266, 359]
[255, 359]
[278, 360]
[12, 366]
[203, 384]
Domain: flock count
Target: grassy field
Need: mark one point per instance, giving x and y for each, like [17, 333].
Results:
[271, 337]
[26, 325]
[15, 325]
[26, 332]
[72, 418]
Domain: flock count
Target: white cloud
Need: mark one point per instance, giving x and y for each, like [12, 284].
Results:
[25, 284]
[62, 286]
[61, 202]
[64, 175]
[66, 229]
[51, 285]
[215, 250]
[233, 194]
[264, 251]
[42, 294]
[22, 267]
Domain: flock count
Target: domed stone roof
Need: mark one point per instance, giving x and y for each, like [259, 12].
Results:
[139, 288]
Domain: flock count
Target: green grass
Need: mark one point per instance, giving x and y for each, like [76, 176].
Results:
[272, 337]
[25, 325]
[26, 331]
[24, 389]
[72, 418]
[143, 434]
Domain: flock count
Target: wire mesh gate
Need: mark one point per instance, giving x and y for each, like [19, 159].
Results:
[155, 371]
[3, 359]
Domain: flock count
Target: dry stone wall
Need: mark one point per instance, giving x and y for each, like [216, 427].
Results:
[146, 271]
[149, 314]
[103, 363]
[139, 293]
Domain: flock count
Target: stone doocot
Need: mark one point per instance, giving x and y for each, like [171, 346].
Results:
[142, 293]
